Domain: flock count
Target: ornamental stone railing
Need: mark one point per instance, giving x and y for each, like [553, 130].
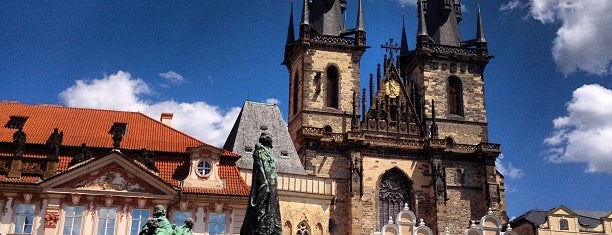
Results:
[405, 223]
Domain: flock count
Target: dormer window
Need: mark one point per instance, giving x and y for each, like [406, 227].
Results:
[118, 128]
[204, 168]
[16, 122]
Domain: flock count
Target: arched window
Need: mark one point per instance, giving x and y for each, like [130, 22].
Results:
[296, 84]
[327, 129]
[303, 229]
[563, 224]
[394, 190]
[455, 96]
[331, 87]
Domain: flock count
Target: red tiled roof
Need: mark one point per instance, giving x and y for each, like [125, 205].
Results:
[92, 126]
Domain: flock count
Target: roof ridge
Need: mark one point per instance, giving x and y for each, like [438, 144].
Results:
[59, 106]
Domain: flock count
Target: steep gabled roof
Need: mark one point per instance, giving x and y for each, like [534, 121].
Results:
[254, 119]
[92, 126]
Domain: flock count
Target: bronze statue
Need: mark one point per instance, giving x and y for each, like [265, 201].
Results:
[263, 214]
[159, 224]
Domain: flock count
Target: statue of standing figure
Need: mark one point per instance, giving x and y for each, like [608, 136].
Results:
[19, 140]
[55, 142]
[263, 213]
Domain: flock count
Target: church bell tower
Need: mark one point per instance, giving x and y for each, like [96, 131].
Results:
[323, 64]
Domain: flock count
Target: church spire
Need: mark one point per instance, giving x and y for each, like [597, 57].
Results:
[422, 35]
[326, 17]
[360, 23]
[443, 21]
[290, 36]
[479, 28]
[290, 29]
[305, 14]
[404, 42]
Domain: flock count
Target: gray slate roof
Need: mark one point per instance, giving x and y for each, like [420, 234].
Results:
[255, 118]
[589, 219]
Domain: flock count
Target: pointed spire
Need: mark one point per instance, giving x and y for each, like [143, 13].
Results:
[360, 23]
[422, 26]
[290, 29]
[305, 14]
[479, 28]
[404, 42]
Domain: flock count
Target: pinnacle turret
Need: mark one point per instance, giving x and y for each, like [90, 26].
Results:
[360, 21]
[404, 42]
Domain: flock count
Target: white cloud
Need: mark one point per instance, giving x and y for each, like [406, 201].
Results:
[408, 2]
[121, 91]
[506, 168]
[273, 101]
[511, 5]
[172, 76]
[583, 40]
[585, 134]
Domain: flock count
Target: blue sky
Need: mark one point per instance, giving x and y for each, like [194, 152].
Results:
[547, 90]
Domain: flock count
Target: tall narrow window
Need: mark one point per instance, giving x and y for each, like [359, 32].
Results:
[139, 219]
[563, 224]
[331, 87]
[24, 218]
[217, 224]
[394, 190]
[180, 217]
[455, 96]
[73, 218]
[106, 221]
[295, 92]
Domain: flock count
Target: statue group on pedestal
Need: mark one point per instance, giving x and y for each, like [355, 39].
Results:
[159, 224]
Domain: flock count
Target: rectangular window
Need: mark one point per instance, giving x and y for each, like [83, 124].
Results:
[139, 219]
[24, 218]
[216, 225]
[73, 218]
[106, 221]
[180, 217]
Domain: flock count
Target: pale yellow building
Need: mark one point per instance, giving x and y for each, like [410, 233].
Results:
[563, 221]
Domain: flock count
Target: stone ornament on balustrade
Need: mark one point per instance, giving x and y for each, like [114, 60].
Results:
[406, 224]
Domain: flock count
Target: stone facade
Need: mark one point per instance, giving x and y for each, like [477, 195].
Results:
[426, 145]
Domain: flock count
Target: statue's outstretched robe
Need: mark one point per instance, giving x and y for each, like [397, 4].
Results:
[263, 214]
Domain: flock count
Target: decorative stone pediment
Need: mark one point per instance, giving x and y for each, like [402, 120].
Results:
[113, 174]
[112, 178]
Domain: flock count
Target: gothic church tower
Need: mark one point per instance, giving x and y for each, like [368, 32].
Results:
[418, 139]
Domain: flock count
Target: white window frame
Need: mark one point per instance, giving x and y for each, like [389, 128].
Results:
[140, 221]
[183, 214]
[212, 223]
[201, 168]
[107, 218]
[70, 218]
[20, 227]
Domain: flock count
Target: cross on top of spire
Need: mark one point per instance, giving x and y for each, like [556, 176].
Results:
[390, 47]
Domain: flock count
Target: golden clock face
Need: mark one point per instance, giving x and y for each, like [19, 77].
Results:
[392, 88]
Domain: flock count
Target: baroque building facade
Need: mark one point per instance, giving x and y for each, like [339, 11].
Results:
[87, 171]
[419, 137]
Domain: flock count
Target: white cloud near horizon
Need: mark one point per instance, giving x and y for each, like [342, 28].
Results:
[172, 76]
[121, 91]
[583, 38]
[585, 133]
[408, 2]
[506, 168]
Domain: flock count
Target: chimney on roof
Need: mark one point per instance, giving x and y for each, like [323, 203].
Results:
[166, 118]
